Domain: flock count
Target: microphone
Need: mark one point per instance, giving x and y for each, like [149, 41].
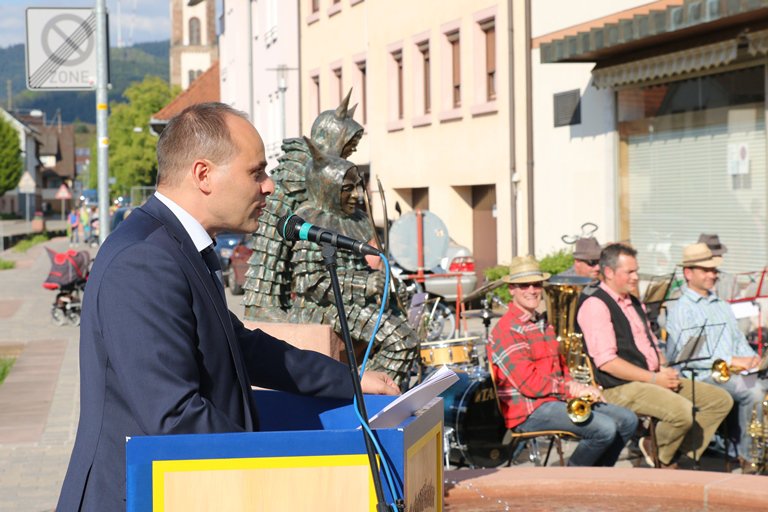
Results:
[292, 227]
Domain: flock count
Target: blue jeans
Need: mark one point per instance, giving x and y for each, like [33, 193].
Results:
[603, 435]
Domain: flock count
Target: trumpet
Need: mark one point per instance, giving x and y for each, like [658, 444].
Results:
[579, 409]
[721, 372]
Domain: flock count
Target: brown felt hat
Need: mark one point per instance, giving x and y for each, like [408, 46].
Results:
[699, 255]
[713, 242]
[587, 249]
[525, 269]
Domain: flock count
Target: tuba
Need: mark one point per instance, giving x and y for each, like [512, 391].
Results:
[562, 297]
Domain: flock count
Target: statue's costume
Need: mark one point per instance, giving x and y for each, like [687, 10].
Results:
[396, 343]
[267, 286]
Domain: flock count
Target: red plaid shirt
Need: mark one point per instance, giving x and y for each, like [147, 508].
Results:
[527, 365]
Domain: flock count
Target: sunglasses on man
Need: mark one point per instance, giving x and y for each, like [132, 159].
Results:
[525, 286]
[591, 263]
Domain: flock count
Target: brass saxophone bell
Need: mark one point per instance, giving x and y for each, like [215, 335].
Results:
[720, 371]
[579, 409]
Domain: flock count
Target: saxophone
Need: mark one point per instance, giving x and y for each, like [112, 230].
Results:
[562, 296]
[758, 431]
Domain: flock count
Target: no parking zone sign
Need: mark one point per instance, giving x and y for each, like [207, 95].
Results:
[61, 49]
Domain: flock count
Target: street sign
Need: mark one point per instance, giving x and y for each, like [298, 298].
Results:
[61, 49]
[26, 184]
[63, 193]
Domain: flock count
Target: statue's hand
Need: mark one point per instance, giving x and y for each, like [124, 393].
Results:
[375, 284]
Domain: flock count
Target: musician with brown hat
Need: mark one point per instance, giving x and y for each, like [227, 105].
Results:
[586, 259]
[533, 381]
[631, 369]
[699, 309]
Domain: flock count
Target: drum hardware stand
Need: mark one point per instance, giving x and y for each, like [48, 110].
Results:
[329, 260]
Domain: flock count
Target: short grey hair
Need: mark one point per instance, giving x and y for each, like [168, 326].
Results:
[199, 131]
[609, 256]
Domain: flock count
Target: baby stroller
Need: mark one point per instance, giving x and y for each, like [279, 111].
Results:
[69, 272]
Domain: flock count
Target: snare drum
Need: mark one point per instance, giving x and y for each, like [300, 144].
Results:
[458, 351]
[474, 422]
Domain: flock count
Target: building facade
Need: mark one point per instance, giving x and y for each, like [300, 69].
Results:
[193, 40]
[262, 78]
[433, 83]
[651, 123]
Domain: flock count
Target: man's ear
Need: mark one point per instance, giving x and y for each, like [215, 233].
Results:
[201, 175]
[608, 272]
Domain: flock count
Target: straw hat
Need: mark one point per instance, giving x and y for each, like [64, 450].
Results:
[525, 269]
[713, 242]
[699, 255]
[587, 249]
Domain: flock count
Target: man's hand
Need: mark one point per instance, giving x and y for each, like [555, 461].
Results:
[667, 378]
[594, 393]
[747, 363]
[378, 383]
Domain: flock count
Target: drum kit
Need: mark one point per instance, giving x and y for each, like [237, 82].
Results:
[474, 427]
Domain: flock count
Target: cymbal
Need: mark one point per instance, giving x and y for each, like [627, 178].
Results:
[480, 292]
[481, 313]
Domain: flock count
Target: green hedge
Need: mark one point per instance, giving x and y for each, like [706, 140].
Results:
[5, 367]
[28, 243]
[7, 264]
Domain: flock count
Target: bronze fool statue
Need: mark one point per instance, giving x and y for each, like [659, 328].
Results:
[268, 279]
[287, 282]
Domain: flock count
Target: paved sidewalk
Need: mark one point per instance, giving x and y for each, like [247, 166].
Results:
[39, 401]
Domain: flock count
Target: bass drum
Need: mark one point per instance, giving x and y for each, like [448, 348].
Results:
[473, 423]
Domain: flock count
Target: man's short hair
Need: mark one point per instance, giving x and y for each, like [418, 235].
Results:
[609, 257]
[199, 131]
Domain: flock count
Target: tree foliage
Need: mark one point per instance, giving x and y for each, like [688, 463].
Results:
[132, 159]
[11, 164]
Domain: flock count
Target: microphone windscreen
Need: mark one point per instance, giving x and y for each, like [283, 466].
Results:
[286, 226]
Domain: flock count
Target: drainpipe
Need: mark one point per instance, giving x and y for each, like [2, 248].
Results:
[529, 126]
[249, 17]
[512, 165]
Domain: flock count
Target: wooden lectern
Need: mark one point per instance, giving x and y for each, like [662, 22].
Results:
[309, 455]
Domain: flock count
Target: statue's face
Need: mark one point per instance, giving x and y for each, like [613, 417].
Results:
[350, 191]
[351, 146]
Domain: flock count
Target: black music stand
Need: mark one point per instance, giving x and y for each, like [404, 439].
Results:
[697, 340]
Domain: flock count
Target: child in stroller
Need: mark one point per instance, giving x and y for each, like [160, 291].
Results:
[68, 274]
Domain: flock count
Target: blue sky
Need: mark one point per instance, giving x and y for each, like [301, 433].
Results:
[150, 19]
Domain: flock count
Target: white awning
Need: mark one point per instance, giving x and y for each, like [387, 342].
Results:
[671, 64]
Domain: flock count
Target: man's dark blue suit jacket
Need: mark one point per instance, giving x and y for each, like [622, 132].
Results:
[161, 354]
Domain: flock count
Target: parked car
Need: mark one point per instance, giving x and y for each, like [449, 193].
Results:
[238, 265]
[225, 242]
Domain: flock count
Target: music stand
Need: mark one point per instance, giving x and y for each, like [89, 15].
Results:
[697, 340]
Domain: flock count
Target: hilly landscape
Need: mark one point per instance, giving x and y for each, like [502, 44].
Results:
[127, 65]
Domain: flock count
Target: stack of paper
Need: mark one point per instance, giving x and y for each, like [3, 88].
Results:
[414, 399]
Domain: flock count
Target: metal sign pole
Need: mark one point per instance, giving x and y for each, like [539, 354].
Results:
[102, 136]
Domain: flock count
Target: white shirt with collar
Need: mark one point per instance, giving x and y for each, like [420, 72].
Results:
[197, 233]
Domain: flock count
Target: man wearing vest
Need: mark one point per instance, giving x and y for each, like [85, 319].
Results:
[631, 369]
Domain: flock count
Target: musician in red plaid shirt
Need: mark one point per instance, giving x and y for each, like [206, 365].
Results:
[533, 381]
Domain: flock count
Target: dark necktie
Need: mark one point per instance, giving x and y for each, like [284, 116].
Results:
[212, 261]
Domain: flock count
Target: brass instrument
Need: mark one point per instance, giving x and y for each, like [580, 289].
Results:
[758, 431]
[720, 371]
[579, 409]
[562, 295]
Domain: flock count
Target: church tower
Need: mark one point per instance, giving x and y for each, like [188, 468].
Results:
[193, 39]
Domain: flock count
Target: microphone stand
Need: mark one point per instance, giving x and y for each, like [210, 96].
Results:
[329, 260]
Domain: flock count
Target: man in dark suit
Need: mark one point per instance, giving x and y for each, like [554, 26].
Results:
[160, 353]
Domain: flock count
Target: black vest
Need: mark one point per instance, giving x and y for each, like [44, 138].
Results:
[625, 341]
